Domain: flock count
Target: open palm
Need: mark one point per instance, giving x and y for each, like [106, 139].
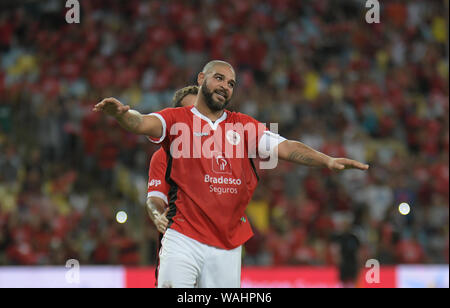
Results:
[111, 106]
[345, 163]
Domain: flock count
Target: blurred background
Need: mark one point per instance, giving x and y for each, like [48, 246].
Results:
[377, 93]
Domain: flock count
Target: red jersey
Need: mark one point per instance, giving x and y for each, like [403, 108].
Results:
[157, 184]
[210, 174]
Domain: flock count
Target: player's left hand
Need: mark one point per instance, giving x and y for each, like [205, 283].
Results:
[345, 163]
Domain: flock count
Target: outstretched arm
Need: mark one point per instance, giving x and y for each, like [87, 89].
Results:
[300, 153]
[130, 120]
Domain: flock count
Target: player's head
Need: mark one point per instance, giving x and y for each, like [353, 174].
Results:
[185, 96]
[217, 81]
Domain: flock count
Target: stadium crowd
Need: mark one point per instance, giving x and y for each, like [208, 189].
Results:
[377, 93]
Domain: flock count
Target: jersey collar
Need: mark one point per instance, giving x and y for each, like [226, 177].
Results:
[213, 125]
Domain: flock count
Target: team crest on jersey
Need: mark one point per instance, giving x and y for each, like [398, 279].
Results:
[220, 164]
[233, 137]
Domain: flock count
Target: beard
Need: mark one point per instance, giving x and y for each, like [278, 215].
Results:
[210, 102]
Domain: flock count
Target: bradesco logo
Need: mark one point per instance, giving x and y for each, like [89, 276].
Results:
[222, 180]
[220, 164]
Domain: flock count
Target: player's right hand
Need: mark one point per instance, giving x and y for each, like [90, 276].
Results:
[160, 220]
[111, 106]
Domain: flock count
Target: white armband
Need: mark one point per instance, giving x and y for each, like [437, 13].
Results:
[268, 142]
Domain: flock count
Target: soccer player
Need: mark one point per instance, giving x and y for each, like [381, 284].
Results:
[210, 177]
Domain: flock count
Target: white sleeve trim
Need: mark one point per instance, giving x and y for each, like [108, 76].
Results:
[268, 142]
[163, 122]
[158, 194]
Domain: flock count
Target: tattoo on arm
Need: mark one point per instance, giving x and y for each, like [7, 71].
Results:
[131, 120]
[300, 153]
[301, 158]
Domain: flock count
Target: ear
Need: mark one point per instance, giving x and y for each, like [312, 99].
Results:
[200, 78]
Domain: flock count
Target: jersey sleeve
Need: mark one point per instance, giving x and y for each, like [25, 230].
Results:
[166, 116]
[157, 185]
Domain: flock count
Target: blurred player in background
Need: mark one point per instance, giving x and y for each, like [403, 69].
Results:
[158, 187]
[207, 225]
